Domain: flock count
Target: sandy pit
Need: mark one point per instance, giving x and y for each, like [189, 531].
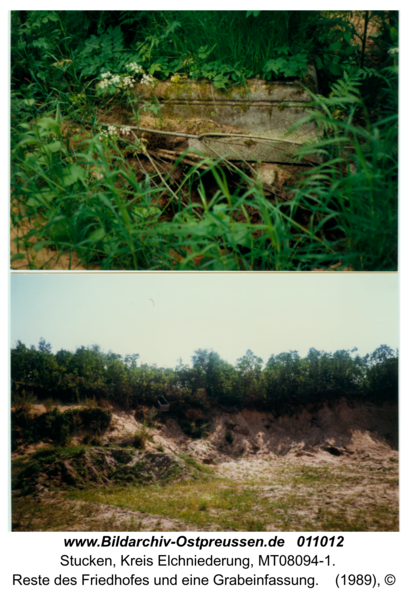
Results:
[331, 467]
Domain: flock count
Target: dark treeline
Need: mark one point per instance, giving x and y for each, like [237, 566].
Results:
[90, 373]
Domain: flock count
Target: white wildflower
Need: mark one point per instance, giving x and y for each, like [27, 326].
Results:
[111, 131]
[128, 82]
[393, 51]
[146, 80]
[115, 79]
[103, 84]
[106, 75]
[135, 67]
[125, 130]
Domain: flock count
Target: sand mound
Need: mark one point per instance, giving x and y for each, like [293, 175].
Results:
[333, 431]
[328, 433]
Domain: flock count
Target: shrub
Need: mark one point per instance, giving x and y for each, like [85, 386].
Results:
[57, 426]
[151, 416]
[140, 440]
[91, 440]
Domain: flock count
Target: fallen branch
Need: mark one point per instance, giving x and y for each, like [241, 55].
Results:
[145, 152]
[176, 155]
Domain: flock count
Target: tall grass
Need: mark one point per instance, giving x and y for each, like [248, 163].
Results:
[353, 193]
[232, 37]
[89, 200]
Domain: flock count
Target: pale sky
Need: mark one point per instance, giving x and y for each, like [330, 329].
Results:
[164, 317]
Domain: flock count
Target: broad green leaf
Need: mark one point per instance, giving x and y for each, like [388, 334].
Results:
[72, 173]
[177, 64]
[98, 235]
[59, 229]
[33, 202]
[32, 161]
[155, 67]
[49, 125]
[240, 234]
[220, 210]
[275, 65]
[145, 213]
[38, 246]
[42, 198]
[53, 147]
[18, 256]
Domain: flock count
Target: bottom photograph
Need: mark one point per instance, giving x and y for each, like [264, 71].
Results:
[204, 402]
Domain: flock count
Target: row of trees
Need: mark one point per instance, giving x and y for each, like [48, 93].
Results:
[91, 373]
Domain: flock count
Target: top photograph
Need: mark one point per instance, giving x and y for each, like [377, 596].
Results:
[204, 140]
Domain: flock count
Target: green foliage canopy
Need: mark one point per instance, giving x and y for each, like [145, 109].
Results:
[286, 378]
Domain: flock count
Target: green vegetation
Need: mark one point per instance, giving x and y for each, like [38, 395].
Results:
[102, 198]
[283, 497]
[283, 383]
[233, 45]
[54, 425]
[56, 468]
[141, 438]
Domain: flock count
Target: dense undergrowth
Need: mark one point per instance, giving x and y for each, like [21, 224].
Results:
[85, 191]
[285, 382]
[81, 467]
[56, 426]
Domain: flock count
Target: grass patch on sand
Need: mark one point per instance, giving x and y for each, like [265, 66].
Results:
[271, 496]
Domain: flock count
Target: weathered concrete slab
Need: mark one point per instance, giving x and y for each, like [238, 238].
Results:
[258, 108]
[252, 150]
